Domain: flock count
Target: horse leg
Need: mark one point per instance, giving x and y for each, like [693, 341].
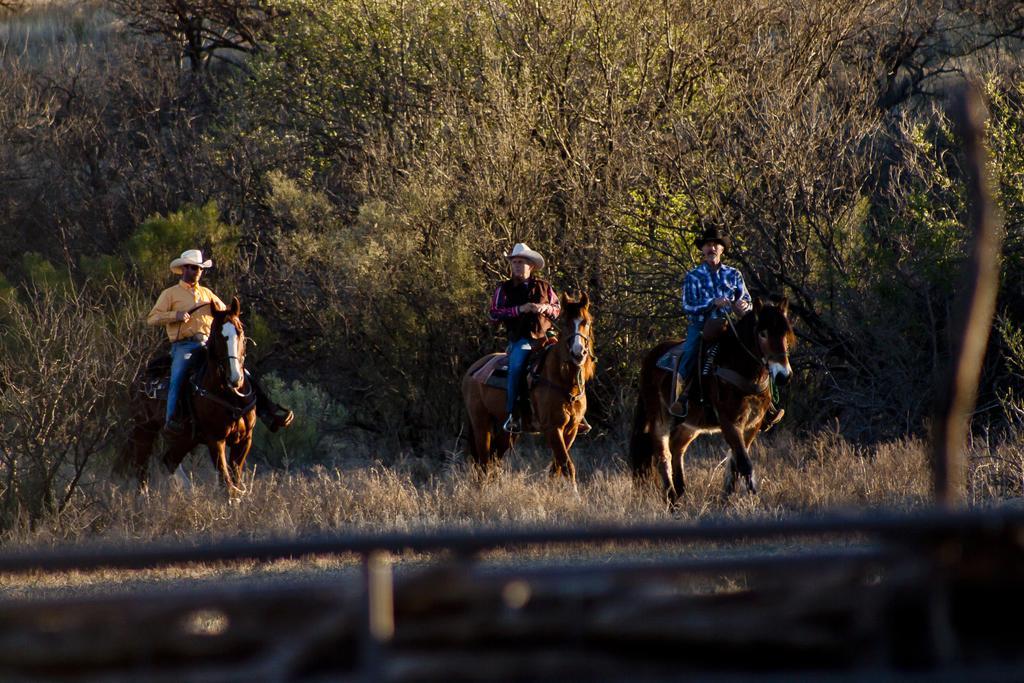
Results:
[679, 441]
[218, 454]
[749, 435]
[561, 464]
[660, 440]
[239, 452]
[133, 460]
[502, 442]
[480, 438]
[739, 460]
[176, 451]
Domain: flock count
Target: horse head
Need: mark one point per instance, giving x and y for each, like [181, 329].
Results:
[579, 341]
[774, 336]
[227, 346]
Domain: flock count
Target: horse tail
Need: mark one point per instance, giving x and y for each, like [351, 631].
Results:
[648, 412]
[641, 451]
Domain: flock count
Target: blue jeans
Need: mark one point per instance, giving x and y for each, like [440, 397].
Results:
[184, 355]
[517, 351]
[691, 346]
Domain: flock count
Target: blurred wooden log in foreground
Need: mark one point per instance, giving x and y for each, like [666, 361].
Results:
[975, 304]
[925, 606]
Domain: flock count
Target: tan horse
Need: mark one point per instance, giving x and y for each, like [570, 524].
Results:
[224, 410]
[557, 398]
[750, 357]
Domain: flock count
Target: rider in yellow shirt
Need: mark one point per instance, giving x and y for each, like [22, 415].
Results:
[185, 311]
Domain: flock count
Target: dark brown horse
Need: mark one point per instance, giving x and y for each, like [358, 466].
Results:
[557, 397]
[751, 355]
[223, 416]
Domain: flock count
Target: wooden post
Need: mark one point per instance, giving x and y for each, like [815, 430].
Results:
[380, 611]
[975, 306]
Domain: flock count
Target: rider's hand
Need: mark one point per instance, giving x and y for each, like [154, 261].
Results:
[722, 303]
[741, 306]
[182, 316]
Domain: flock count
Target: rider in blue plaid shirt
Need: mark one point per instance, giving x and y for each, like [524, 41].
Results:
[709, 290]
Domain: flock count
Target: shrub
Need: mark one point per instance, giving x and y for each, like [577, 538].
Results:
[161, 238]
[306, 441]
[66, 358]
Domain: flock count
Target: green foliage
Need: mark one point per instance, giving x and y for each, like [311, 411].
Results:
[1011, 338]
[160, 239]
[384, 282]
[260, 333]
[41, 273]
[306, 441]
[7, 291]
[102, 267]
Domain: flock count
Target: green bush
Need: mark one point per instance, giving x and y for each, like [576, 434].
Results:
[161, 238]
[306, 441]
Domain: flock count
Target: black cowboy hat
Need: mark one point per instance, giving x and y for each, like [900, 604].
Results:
[713, 235]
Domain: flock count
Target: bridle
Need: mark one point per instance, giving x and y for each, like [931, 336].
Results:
[585, 338]
[248, 394]
[762, 358]
[574, 392]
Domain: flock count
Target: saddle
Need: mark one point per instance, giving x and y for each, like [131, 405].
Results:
[155, 381]
[707, 366]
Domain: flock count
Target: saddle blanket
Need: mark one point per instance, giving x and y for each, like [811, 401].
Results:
[670, 358]
[494, 373]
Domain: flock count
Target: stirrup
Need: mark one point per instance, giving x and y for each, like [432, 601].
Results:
[512, 425]
[680, 408]
[773, 420]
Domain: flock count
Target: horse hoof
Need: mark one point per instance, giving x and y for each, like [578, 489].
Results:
[751, 484]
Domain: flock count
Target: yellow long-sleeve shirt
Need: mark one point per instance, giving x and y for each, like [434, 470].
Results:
[184, 297]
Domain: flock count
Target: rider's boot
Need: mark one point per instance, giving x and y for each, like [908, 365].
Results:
[174, 426]
[275, 417]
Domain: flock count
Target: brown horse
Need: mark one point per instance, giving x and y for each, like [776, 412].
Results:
[223, 416]
[751, 355]
[557, 397]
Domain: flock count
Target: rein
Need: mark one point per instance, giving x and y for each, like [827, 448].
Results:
[736, 379]
[234, 410]
[190, 312]
[578, 388]
[733, 322]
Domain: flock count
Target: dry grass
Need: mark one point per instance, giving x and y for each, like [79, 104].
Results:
[45, 27]
[409, 493]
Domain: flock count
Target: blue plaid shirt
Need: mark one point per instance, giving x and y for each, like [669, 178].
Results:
[701, 287]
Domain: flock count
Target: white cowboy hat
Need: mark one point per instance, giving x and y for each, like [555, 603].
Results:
[192, 257]
[523, 251]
